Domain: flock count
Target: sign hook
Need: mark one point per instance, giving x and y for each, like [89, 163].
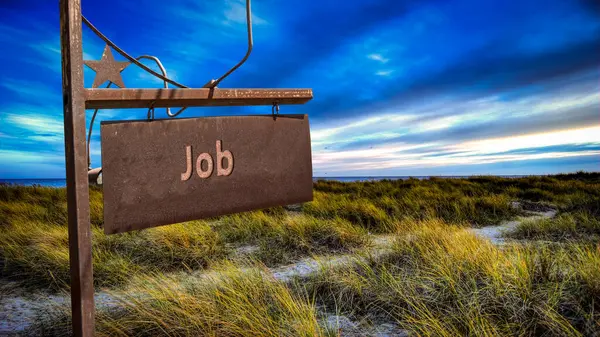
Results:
[151, 111]
[275, 110]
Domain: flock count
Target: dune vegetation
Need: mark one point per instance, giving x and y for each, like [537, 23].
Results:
[444, 281]
[578, 226]
[214, 277]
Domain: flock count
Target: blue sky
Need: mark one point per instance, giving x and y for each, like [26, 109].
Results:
[453, 87]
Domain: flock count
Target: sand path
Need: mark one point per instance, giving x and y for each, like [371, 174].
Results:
[495, 233]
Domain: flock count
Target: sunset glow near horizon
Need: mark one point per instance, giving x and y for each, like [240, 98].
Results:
[400, 87]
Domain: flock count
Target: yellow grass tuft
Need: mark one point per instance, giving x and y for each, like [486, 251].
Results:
[227, 302]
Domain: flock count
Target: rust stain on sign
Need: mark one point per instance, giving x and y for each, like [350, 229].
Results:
[168, 171]
[161, 98]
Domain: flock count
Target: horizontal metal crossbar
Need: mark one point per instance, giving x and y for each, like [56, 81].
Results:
[160, 98]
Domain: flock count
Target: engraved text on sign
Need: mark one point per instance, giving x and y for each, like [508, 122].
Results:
[205, 158]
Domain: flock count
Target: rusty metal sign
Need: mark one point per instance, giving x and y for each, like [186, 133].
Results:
[168, 171]
[158, 172]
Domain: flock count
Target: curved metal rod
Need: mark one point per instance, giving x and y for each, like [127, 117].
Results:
[127, 56]
[214, 83]
[166, 84]
[211, 83]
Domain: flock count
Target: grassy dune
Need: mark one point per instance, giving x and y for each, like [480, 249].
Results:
[231, 302]
[438, 279]
[34, 240]
[578, 226]
[444, 281]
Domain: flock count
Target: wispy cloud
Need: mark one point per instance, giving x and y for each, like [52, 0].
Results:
[36, 123]
[235, 13]
[452, 119]
[378, 57]
[384, 72]
[589, 135]
[30, 157]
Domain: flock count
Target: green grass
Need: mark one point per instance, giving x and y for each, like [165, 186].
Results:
[283, 238]
[442, 196]
[34, 240]
[360, 211]
[37, 254]
[377, 205]
[577, 226]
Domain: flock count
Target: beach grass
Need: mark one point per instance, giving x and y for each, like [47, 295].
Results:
[34, 240]
[228, 302]
[438, 280]
[210, 277]
[443, 281]
[580, 226]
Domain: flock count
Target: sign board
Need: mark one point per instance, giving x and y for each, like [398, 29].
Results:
[159, 172]
[168, 171]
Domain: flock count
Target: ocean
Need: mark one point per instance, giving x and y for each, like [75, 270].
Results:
[31, 182]
[63, 182]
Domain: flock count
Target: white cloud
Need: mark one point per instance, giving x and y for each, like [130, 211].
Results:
[108, 114]
[47, 52]
[376, 127]
[37, 123]
[560, 103]
[47, 139]
[235, 13]
[437, 124]
[377, 160]
[494, 145]
[144, 79]
[228, 13]
[369, 144]
[30, 157]
[384, 72]
[378, 58]
[431, 115]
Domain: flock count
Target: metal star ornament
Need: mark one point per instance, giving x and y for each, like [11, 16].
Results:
[107, 69]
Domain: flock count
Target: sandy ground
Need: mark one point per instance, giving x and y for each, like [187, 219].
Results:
[309, 266]
[348, 328]
[495, 233]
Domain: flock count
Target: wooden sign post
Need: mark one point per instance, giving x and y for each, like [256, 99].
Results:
[158, 172]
